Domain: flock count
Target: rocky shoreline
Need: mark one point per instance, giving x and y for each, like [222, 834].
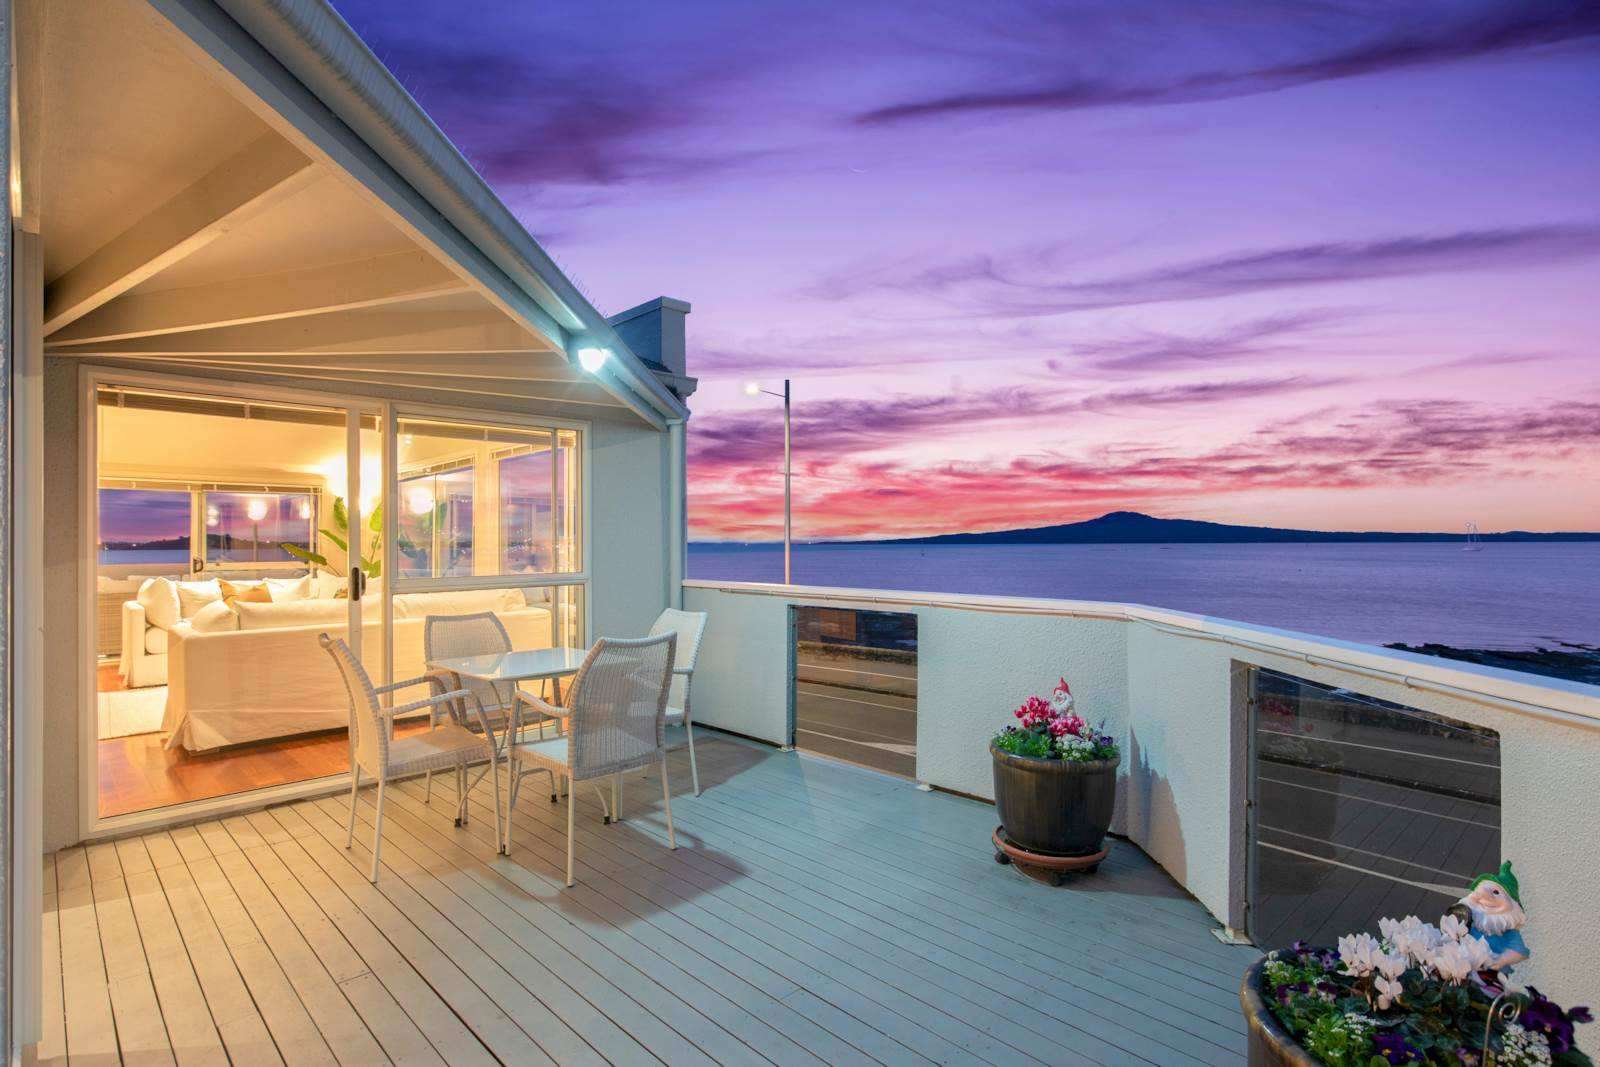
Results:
[1574, 662]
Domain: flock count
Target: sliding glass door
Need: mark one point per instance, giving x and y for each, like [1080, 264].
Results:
[227, 530]
[230, 528]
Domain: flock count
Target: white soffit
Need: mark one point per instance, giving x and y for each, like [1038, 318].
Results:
[183, 227]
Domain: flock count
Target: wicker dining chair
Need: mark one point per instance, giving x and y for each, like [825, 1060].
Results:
[375, 749]
[616, 712]
[478, 634]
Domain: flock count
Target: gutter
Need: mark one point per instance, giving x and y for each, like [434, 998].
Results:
[321, 50]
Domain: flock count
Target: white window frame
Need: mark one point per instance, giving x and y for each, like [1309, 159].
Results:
[390, 413]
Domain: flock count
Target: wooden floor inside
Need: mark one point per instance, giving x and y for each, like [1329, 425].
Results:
[812, 914]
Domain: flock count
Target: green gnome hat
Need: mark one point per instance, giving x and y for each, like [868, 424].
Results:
[1503, 878]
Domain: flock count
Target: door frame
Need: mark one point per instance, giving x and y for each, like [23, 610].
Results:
[389, 412]
[91, 825]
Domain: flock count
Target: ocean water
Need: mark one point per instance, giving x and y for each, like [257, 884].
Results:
[1506, 596]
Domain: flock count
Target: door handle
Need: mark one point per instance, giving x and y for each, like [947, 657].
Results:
[358, 583]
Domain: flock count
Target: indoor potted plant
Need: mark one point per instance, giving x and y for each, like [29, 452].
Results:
[1418, 993]
[1055, 782]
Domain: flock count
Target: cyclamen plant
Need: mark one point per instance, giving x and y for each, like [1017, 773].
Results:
[1051, 729]
[1414, 995]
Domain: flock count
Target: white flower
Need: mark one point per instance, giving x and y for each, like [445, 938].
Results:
[1411, 937]
[1479, 954]
[1359, 953]
[1521, 1047]
[1453, 928]
[1453, 961]
[1389, 991]
[1392, 965]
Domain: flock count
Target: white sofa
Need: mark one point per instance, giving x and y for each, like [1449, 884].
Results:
[164, 606]
[269, 678]
[254, 671]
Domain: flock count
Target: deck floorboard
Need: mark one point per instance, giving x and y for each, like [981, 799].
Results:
[813, 913]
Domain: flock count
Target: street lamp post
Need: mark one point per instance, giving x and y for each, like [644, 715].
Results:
[754, 389]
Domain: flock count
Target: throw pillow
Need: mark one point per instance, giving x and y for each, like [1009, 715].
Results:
[249, 594]
[215, 617]
[159, 598]
[192, 596]
[286, 589]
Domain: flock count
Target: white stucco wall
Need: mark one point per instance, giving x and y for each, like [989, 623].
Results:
[1176, 701]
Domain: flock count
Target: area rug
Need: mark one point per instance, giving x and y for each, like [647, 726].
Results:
[132, 711]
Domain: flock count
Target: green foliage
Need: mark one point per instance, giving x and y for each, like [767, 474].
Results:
[371, 566]
[1025, 743]
[1340, 1039]
[1337, 1019]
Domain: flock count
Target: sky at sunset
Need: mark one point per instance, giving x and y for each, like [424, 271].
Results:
[1317, 264]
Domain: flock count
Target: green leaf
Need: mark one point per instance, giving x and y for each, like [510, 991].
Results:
[336, 539]
[341, 517]
[375, 524]
[299, 553]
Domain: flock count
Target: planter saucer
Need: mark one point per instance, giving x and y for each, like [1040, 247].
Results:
[1042, 866]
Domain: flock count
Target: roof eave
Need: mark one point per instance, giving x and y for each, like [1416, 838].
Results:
[316, 46]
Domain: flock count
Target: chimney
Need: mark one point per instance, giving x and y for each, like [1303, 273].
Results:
[655, 332]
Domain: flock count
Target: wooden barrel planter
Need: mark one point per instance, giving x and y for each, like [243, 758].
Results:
[1054, 813]
[1270, 1045]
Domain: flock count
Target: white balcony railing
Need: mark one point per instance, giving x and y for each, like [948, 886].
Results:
[1174, 688]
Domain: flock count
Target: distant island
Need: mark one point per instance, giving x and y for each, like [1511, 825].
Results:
[1134, 528]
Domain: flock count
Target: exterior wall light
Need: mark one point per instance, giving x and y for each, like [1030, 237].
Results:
[593, 359]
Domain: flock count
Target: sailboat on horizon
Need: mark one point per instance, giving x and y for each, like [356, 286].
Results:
[1473, 543]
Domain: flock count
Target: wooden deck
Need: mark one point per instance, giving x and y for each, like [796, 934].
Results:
[813, 913]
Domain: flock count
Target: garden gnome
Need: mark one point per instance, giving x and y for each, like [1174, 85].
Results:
[1496, 915]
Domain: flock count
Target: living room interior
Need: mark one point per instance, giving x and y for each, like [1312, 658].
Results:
[223, 537]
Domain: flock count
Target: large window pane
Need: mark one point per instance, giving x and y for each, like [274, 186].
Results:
[255, 527]
[145, 526]
[435, 524]
[477, 500]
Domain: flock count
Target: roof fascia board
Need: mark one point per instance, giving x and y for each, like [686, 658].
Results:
[325, 56]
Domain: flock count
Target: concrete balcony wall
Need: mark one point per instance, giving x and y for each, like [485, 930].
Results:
[1174, 688]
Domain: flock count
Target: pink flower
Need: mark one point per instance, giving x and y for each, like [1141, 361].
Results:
[1034, 712]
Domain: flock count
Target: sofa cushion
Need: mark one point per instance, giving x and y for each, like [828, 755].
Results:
[327, 586]
[287, 589]
[155, 641]
[293, 613]
[159, 598]
[192, 596]
[245, 592]
[217, 617]
[457, 602]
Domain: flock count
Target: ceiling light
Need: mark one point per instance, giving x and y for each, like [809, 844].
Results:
[593, 359]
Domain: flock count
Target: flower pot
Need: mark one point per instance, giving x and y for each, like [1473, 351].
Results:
[1270, 1045]
[1055, 807]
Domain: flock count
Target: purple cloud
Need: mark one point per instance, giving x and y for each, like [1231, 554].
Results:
[1421, 41]
[1014, 286]
[1153, 351]
[840, 429]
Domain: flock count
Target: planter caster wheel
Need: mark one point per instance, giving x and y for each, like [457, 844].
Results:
[607, 820]
[1001, 858]
[1091, 870]
[458, 820]
[1058, 879]
[552, 798]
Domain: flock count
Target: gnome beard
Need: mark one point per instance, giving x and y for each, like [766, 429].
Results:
[1493, 922]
